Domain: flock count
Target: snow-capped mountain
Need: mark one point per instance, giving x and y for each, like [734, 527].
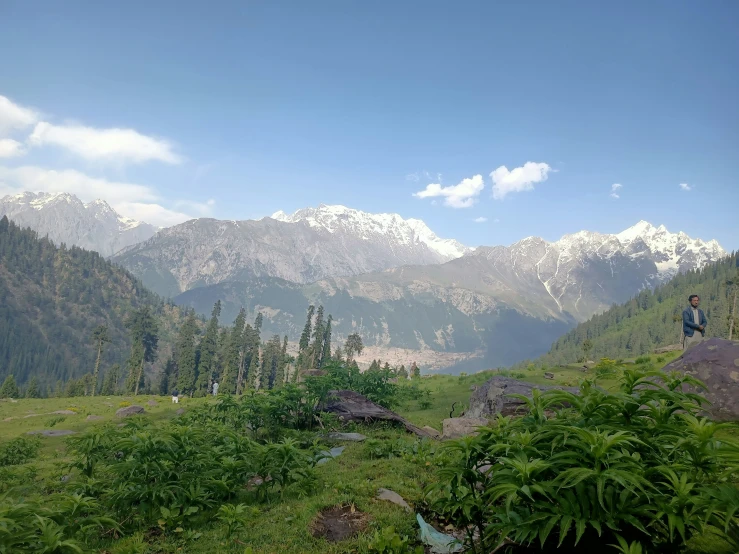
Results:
[369, 227]
[65, 218]
[304, 247]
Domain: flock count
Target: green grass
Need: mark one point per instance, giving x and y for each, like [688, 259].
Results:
[282, 526]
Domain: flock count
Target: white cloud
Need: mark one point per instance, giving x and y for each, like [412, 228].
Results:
[10, 148]
[518, 179]
[462, 195]
[200, 208]
[15, 117]
[112, 145]
[686, 187]
[413, 177]
[480, 219]
[132, 200]
[615, 187]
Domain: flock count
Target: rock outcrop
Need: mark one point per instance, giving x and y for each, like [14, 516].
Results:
[493, 397]
[457, 427]
[716, 363]
[129, 411]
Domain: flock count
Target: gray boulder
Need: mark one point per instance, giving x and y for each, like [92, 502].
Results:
[64, 412]
[94, 417]
[129, 411]
[493, 397]
[716, 363]
[152, 403]
[431, 431]
[52, 432]
[457, 427]
[394, 497]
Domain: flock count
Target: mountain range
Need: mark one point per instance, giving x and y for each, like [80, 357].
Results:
[410, 294]
[64, 218]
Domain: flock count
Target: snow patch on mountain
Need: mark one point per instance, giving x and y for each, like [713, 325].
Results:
[369, 226]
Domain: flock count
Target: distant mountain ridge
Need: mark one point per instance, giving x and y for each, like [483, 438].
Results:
[304, 247]
[66, 219]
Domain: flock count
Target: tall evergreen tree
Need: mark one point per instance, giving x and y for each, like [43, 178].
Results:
[9, 388]
[317, 347]
[402, 372]
[33, 389]
[100, 336]
[144, 332]
[338, 354]
[415, 371]
[233, 355]
[208, 351]
[282, 366]
[304, 344]
[254, 368]
[110, 382]
[185, 357]
[326, 352]
[250, 344]
[167, 378]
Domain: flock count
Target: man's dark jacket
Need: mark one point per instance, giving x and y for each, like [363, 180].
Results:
[689, 326]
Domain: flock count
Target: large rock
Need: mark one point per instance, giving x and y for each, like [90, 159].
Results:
[493, 397]
[716, 363]
[670, 348]
[456, 427]
[129, 411]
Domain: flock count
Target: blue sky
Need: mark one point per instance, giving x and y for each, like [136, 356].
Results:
[237, 110]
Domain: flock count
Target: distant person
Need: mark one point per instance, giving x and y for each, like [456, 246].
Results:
[694, 323]
[175, 397]
[215, 389]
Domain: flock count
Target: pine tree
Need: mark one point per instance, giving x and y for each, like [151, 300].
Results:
[233, 355]
[282, 366]
[110, 382]
[33, 389]
[100, 336]
[185, 357]
[386, 367]
[250, 343]
[402, 372]
[304, 344]
[374, 366]
[144, 333]
[9, 388]
[167, 378]
[208, 350]
[254, 366]
[326, 354]
[338, 354]
[317, 346]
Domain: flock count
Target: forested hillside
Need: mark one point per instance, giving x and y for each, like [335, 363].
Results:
[52, 298]
[652, 318]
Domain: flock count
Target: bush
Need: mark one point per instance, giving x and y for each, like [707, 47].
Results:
[19, 450]
[387, 541]
[642, 360]
[636, 468]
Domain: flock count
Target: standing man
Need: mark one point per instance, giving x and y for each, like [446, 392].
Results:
[175, 397]
[694, 323]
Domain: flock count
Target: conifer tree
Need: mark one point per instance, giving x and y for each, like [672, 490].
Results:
[167, 378]
[317, 346]
[254, 368]
[9, 388]
[33, 389]
[110, 382]
[386, 367]
[415, 371]
[326, 354]
[233, 355]
[374, 366]
[100, 336]
[402, 372]
[144, 333]
[208, 351]
[304, 343]
[282, 366]
[338, 354]
[185, 357]
[251, 343]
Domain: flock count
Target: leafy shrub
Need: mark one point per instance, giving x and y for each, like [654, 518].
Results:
[52, 421]
[637, 468]
[19, 450]
[235, 516]
[660, 359]
[387, 541]
[58, 525]
[124, 404]
[642, 360]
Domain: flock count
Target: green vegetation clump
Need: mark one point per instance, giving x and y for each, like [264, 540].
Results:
[638, 468]
[19, 450]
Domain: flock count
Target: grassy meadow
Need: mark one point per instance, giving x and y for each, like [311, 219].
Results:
[390, 458]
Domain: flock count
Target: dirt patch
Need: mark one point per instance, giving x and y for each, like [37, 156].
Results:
[339, 523]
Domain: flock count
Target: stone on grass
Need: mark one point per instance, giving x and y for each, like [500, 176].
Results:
[548, 375]
[353, 437]
[716, 363]
[394, 497]
[129, 411]
[431, 431]
[493, 397]
[94, 417]
[456, 427]
[180, 411]
[152, 403]
[52, 432]
[65, 412]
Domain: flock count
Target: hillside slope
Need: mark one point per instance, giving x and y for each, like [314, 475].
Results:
[52, 298]
[647, 321]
